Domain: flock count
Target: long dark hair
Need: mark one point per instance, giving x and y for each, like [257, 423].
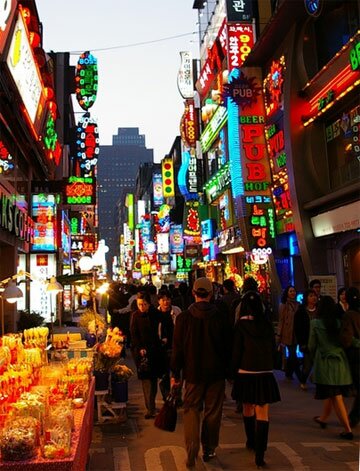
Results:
[285, 293]
[328, 313]
[251, 305]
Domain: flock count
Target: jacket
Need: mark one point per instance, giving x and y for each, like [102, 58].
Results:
[302, 324]
[146, 332]
[286, 322]
[202, 344]
[254, 345]
[330, 362]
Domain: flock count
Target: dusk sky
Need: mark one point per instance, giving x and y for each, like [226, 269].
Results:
[137, 83]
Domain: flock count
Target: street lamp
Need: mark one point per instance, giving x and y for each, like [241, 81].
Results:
[11, 293]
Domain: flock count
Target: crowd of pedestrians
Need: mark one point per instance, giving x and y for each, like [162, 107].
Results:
[194, 339]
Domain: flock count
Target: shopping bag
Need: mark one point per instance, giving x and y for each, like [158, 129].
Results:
[167, 416]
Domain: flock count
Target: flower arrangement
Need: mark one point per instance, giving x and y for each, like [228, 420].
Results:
[92, 322]
[122, 373]
[108, 352]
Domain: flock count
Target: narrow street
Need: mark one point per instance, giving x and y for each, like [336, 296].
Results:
[295, 441]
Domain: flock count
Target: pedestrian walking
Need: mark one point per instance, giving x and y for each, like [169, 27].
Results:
[331, 368]
[315, 284]
[201, 356]
[148, 349]
[350, 338]
[169, 314]
[252, 363]
[305, 313]
[231, 298]
[286, 332]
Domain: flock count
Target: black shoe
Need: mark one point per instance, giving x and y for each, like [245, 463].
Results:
[208, 456]
[346, 435]
[149, 416]
[320, 422]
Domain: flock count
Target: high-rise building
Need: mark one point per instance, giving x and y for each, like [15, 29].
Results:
[117, 170]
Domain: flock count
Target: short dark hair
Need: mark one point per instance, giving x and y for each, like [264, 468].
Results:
[229, 284]
[306, 294]
[314, 282]
[164, 293]
[144, 295]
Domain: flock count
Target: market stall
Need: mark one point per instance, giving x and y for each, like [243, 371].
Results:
[46, 408]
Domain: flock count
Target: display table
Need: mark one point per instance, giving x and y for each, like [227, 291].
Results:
[80, 444]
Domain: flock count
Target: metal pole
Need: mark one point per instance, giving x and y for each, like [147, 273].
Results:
[2, 317]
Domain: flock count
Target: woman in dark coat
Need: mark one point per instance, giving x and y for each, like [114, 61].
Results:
[147, 349]
[305, 313]
[286, 333]
[252, 363]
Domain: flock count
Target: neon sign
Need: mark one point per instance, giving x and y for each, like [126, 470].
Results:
[188, 129]
[45, 224]
[240, 43]
[354, 57]
[187, 176]
[86, 80]
[6, 163]
[212, 129]
[218, 183]
[157, 190]
[87, 142]
[80, 190]
[176, 239]
[273, 86]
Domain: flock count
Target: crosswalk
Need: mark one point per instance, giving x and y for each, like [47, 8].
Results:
[173, 457]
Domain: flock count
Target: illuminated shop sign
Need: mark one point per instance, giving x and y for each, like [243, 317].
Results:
[24, 71]
[185, 80]
[225, 210]
[218, 183]
[241, 39]
[7, 11]
[86, 80]
[212, 129]
[331, 84]
[80, 190]
[187, 176]
[188, 126]
[87, 142]
[162, 242]
[183, 264]
[176, 239]
[192, 220]
[129, 203]
[14, 218]
[208, 229]
[273, 87]
[213, 63]
[167, 169]
[354, 57]
[280, 188]
[6, 160]
[83, 243]
[239, 10]
[45, 223]
[162, 219]
[157, 190]
[65, 235]
[313, 7]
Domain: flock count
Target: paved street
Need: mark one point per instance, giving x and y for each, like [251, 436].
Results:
[295, 441]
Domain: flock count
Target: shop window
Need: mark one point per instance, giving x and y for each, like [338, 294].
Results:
[324, 36]
[343, 147]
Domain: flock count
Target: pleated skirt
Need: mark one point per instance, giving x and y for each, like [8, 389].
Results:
[256, 388]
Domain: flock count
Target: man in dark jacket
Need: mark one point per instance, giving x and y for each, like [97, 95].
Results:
[201, 354]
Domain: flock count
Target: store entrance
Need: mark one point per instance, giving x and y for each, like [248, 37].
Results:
[351, 258]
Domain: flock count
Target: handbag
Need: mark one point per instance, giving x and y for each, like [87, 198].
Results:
[143, 365]
[167, 416]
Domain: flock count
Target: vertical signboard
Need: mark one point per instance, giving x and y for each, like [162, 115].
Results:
[44, 216]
